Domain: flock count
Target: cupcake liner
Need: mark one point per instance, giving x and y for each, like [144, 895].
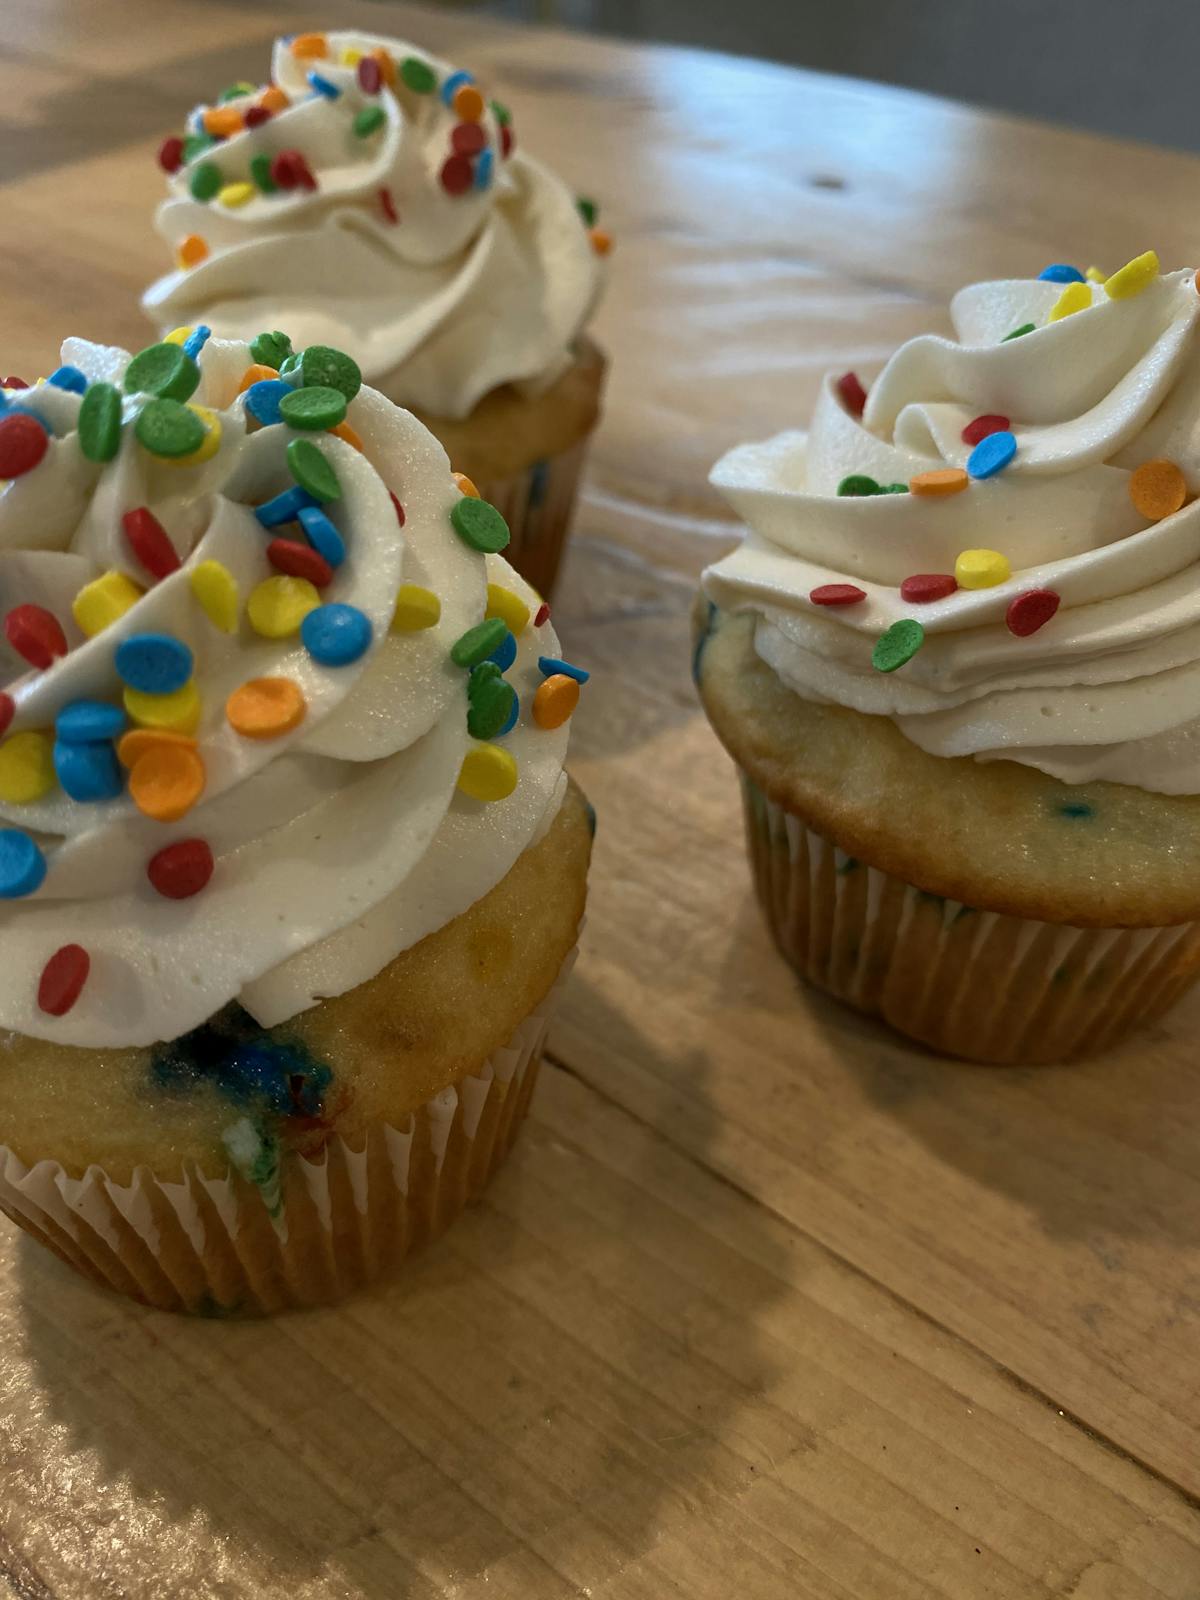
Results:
[285, 1231]
[966, 982]
[537, 505]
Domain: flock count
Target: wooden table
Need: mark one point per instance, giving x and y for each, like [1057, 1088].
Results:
[768, 1303]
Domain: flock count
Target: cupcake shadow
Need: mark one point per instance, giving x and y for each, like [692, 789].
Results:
[539, 1383]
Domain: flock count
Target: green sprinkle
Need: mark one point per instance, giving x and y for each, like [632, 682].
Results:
[235, 91]
[313, 409]
[168, 429]
[311, 471]
[368, 121]
[100, 422]
[271, 349]
[501, 113]
[898, 645]
[490, 701]
[480, 525]
[260, 171]
[196, 144]
[206, 180]
[326, 368]
[165, 370]
[858, 484]
[418, 75]
[588, 210]
[1019, 333]
[892, 488]
[1077, 810]
[479, 642]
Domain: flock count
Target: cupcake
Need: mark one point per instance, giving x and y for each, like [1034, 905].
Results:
[956, 662]
[290, 872]
[371, 199]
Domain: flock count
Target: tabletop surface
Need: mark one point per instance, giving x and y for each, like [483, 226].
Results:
[766, 1303]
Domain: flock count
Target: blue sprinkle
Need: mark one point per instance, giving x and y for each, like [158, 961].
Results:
[90, 722]
[505, 653]
[512, 718]
[285, 507]
[323, 86]
[196, 340]
[551, 664]
[991, 455]
[22, 864]
[1075, 809]
[483, 168]
[335, 635]
[69, 378]
[322, 535]
[452, 84]
[88, 772]
[262, 400]
[154, 663]
[1060, 272]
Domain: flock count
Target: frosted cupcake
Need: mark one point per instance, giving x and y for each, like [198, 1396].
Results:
[957, 663]
[370, 198]
[289, 867]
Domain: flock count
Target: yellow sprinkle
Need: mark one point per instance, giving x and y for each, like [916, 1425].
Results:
[1095, 275]
[509, 607]
[212, 440]
[351, 57]
[216, 591]
[487, 773]
[981, 569]
[102, 601]
[235, 194]
[176, 713]
[26, 768]
[1133, 277]
[178, 335]
[277, 606]
[416, 608]
[1075, 297]
[465, 486]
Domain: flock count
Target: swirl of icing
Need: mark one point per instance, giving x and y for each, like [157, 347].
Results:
[1109, 686]
[411, 234]
[339, 839]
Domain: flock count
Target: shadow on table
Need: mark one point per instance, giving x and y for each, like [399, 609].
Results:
[566, 1360]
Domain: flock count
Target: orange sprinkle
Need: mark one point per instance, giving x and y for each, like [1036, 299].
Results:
[387, 66]
[465, 485]
[941, 481]
[602, 240]
[166, 781]
[309, 47]
[468, 103]
[265, 708]
[222, 121]
[256, 373]
[1157, 489]
[346, 432]
[192, 251]
[273, 99]
[139, 741]
[555, 700]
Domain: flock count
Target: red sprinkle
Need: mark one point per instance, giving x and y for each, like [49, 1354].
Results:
[182, 869]
[8, 711]
[35, 635]
[543, 615]
[389, 205]
[255, 116]
[836, 594]
[63, 978]
[170, 154]
[13, 383]
[925, 586]
[977, 431]
[507, 140]
[1030, 611]
[457, 175]
[23, 443]
[149, 542]
[370, 77]
[299, 561]
[399, 509]
[853, 395]
[290, 170]
[467, 139]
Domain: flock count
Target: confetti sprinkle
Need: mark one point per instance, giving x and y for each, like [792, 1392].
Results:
[336, 635]
[924, 587]
[837, 594]
[1158, 489]
[155, 663]
[489, 701]
[555, 701]
[89, 722]
[277, 606]
[1075, 297]
[1060, 272]
[851, 393]
[1031, 610]
[323, 535]
[938, 482]
[314, 474]
[465, 485]
[172, 713]
[479, 525]
[36, 635]
[478, 643]
[99, 422]
[1019, 333]
[1133, 277]
[215, 590]
[181, 870]
[22, 865]
[981, 569]
[898, 645]
[549, 665]
[857, 485]
[488, 773]
[169, 430]
[63, 979]
[981, 428]
[266, 708]
[100, 603]
[88, 772]
[509, 607]
[166, 781]
[23, 444]
[417, 608]
[312, 410]
[991, 455]
[26, 768]
[297, 560]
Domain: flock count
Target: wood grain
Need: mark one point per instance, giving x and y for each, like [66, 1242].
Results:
[768, 1304]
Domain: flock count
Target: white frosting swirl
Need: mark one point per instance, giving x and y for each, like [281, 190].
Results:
[1109, 688]
[337, 845]
[463, 293]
